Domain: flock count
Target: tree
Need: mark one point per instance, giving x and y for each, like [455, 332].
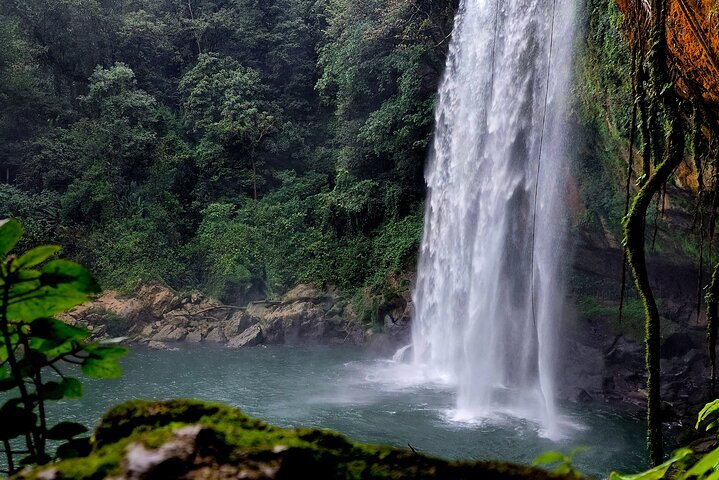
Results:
[225, 107]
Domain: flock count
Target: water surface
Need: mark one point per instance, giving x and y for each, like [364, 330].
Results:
[346, 389]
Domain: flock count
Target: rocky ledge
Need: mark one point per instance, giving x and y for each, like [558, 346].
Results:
[160, 317]
[197, 440]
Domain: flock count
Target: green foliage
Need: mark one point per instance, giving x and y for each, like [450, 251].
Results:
[709, 417]
[158, 136]
[678, 459]
[33, 288]
[559, 462]
[603, 106]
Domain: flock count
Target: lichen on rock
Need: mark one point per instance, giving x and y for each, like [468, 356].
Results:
[199, 440]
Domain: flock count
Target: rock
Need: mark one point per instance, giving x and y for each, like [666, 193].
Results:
[677, 345]
[179, 318]
[625, 353]
[215, 335]
[170, 333]
[584, 397]
[158, 298]
[260, 310]
[302, 293]
[141, 462]
[147, 331]
[238, 323]
[249, 338]
[194, 336]
[291, 323]
[161, 346]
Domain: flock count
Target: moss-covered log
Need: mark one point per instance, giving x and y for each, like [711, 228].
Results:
[198, 440]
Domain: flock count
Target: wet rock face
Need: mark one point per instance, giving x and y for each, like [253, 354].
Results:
[196, 440]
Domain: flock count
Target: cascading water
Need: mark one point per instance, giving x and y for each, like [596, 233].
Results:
[489, 290]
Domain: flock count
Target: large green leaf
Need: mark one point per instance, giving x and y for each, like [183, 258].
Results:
[10, 234]
[72, 388]
[94, 368]
[62, 285]
[658, 472]
[53, 329]
[710, 408]
[15, 420]
[708, 464]
[37, 255]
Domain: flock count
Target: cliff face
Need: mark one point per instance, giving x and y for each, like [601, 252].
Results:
[693, 39]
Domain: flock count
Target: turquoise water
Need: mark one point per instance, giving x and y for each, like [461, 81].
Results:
[368, 400]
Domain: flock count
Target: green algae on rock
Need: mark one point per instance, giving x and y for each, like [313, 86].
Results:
[199, 440]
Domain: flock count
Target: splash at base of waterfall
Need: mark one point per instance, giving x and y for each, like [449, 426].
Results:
[504, 407]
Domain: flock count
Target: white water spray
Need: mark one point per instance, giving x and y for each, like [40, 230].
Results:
[500, 138]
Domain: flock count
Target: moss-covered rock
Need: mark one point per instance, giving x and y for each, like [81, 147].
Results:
[199, 440]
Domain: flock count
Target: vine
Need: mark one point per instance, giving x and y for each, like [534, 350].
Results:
[665, 155]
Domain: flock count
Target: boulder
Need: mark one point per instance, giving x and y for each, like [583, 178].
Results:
[302, 293]
[677, 345]
[158, 299]
[238, 323]
[249, 338]
[291, 322]
[170, 333]
[216, 336]
[194, 336]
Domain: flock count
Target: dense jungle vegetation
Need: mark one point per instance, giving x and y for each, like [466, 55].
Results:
[235, 146]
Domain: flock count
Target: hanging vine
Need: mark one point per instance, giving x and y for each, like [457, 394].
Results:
[658, 106]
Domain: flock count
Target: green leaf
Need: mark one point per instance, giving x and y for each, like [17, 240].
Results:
[37, 255]
[66, 431]
[10, 234]
[52, 391]
[55, 338]
[658, 472]
[15, 420]
[709, 463]
[72, 387]
[709, 409]
[548, 457]
[62, 285]
[94, 368]
[104, 352]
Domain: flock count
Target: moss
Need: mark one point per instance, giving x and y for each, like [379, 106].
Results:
[232, 440]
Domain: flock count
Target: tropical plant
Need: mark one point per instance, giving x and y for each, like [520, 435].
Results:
[33, 346]
[559, 462]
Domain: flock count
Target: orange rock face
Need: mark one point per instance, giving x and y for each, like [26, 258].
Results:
[693, 40]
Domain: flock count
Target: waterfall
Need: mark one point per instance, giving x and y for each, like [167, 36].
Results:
[488, 247]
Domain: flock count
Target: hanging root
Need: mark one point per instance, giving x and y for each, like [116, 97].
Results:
[711, 299]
